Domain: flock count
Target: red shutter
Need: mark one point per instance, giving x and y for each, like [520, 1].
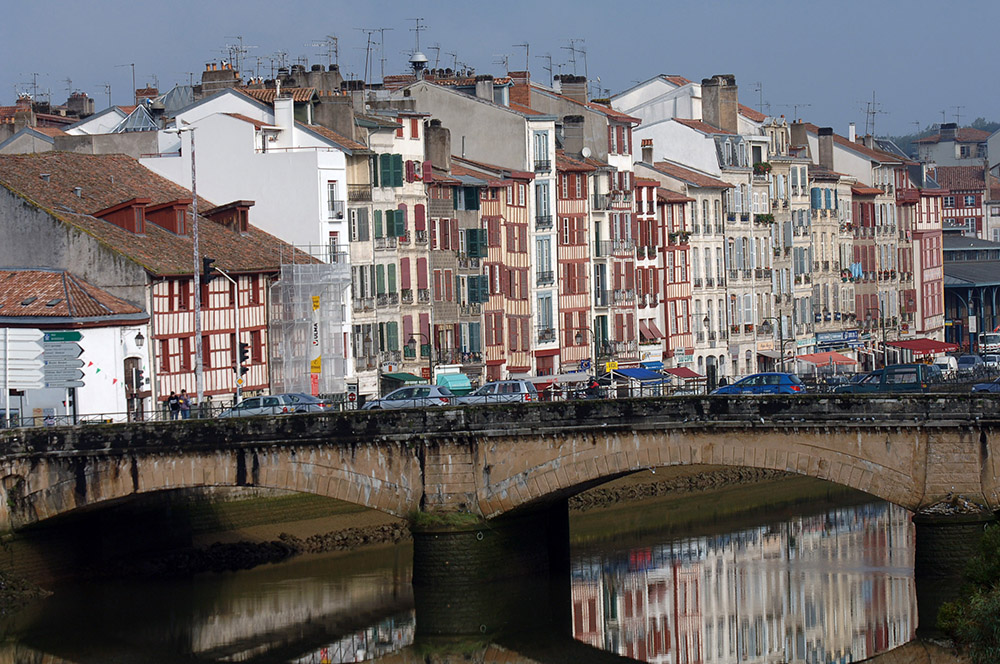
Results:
[409, 171]
[523, 277]
[525, 333]
[505, 280]
[449, 285]
[629, 275]
[437, 285]
[421, 273]
[428, 171]
[619, 327]
[419, 217]
[630, 331]
[455, 244]
[407, 328]
[404, 273]
[425, 326]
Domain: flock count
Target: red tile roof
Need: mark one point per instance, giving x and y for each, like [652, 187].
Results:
[669, 196]
[961, 178]
[861, 190]
[676, 80]
[689, 176]
[871, 153]
[51, 293]
[127, 110]
[108, 180]
[568, 164]
[962, 135]
[520, 108]
[994, 188]
[339, 139]
[267, 95]
[592, 105]
[50, 131]
[748, 112]
[256, 123]
[698, 125]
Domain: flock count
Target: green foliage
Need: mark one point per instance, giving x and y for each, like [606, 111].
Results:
[973, 620]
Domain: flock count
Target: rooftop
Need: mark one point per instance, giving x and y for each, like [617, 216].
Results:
[58, 295]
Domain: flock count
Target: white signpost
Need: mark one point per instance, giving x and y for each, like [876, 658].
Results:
[62, 366]
[21, 362]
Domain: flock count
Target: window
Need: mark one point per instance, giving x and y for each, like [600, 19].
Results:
[949, 201]
[414, 128]
[334, 203]
[970, 201]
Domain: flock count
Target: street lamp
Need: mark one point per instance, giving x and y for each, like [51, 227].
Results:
[139, 339]
[412, 345]
[179, 128]
[578, 338]
[768, 328]
[881, 317]
[236, 317]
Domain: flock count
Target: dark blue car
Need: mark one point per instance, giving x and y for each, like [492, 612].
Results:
[992, 386]
[765, 383]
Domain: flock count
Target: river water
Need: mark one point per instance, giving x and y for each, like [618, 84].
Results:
[817, 583]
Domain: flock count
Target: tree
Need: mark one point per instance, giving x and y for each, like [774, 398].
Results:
[973, 620]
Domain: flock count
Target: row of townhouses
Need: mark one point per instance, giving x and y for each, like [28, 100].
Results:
[462, 229]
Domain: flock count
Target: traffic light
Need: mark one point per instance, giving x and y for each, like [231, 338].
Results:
[140, 377]
[244, 370]
[244, 353]
[207, 269]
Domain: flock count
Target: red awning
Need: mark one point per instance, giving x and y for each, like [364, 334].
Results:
[655, 330]
[821, 359]
[922, 347]
[644, 332]
[683, 372]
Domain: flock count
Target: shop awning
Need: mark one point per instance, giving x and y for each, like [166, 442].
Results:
[404, 378]
[652, 365]
[457, 383]
[771, 354]
[642, 375]
[824, 359]
[922, 347]
[644, 332]
[683, 372]
[655, 331]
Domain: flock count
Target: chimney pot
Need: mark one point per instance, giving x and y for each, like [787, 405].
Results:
[45, 176]
[78, 191]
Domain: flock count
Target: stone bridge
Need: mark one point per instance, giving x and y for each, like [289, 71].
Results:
[914, 451]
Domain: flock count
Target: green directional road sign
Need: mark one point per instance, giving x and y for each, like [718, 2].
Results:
[68, 335]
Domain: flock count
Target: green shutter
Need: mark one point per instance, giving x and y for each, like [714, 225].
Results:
[472, 286]
[397, 170]
[374, 170]
[380, 279]
[484, 288]
[385, 163]
[392, 332]
[378, 223]
[454, 197]
[474, 337]
[400, 223]
[391, 276]
[475, 242]
[471, 198]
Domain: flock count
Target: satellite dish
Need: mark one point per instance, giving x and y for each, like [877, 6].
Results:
[585, 152]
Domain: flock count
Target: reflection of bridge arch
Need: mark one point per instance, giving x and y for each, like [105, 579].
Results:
[912, 451]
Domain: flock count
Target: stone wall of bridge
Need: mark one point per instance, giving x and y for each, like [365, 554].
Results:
[913, 450]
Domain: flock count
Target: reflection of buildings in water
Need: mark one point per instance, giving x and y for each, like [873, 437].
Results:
[384, 638]
[827, 588]
[253, 611]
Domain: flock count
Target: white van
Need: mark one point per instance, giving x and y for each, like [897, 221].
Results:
[947, 364]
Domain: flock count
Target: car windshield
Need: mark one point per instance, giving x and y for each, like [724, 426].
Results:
[963, 361]
[794, 380]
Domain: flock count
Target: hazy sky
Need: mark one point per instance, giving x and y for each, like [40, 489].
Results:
[919, 57]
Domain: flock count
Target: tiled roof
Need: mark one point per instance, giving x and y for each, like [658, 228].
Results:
[676, 80]
[748, 112]
[994, 188]
[108, 180]
[520, 108]
[669, 196]
[256, 123]
[698, 125]
[963, 135]
[50, 131]
[568, 164]
[267, 95]
[691, 177]
[127, 109]
[592, 105]
[861, 190]
[874, 155]
[53, 293]
[960, 178]
[343, 141]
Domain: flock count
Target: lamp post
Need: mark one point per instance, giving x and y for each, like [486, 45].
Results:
[412, 345]
[181, 127]
[768, 329]
[881, 317]
[236, 318]
[578, 338]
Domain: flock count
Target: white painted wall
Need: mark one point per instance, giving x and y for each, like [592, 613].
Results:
[658, 99]
[675, 142]
[99, 123]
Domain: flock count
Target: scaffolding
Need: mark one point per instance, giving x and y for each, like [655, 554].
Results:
[308, 327]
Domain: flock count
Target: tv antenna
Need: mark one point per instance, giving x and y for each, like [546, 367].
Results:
[368, 50]
[454, 63]
[795, 109]
[437, 54]
[132, 65]
[758, 87]
[238, 52]
[69, 84]
[417, 28]
[958, 115]
[572, 52]
[547, 57]
[381, 48]
[331, 49]
[527, 48]
[502, 59]
[872, 109]
[107, 90]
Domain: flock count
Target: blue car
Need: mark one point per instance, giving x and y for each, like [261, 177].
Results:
[765, 383]
[992, 386]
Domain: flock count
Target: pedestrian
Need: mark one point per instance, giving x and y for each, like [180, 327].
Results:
[174, 405]
[185, 405]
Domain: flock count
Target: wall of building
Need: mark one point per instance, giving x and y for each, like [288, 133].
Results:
[27, 143]
[134, 144]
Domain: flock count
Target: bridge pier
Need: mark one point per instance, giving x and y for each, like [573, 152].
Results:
[944, 544]
[460, 563]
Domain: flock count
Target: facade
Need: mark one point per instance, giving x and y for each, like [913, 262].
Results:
[953, 146]
[963, 203]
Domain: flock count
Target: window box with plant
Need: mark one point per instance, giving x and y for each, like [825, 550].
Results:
[766, 218]
[762, 168]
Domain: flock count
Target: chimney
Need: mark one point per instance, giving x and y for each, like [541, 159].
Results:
[797, 135]
[573, 134]
[520, 91]
[437, 143]
[720, 102]
[826, 147]
[484, 87]
[948, 131]
[574, 87]
[852, 133]
[647, 151]
[284, 117]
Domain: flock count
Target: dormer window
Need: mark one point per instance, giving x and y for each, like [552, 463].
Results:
[729, 153]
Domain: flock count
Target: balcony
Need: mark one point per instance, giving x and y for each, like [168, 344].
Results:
[363, 304]
[603, 248]
[424, 295]
[621, 198]
[602, 298]
[762, 272]
[470, 309]
[624, 296]
[546, 334]
[697, 282]
[709, 282]
[336, 210]
[365, 363]
[700, 337]
[387, 299]
[543, 222]
[406, 296]
[543, 165]
[359, 193]
[601, 202]
[466, 262]
[545, 278]
[405, 239]
[390, 356]
[625, 349]
[420, 237]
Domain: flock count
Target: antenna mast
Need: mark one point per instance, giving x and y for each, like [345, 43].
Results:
[548, 57]
[417, 28]
[527, 49]
[381, 46]
[958, 115]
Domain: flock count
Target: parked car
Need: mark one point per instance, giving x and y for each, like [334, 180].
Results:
[895, 378]
[276, 404]
[765, 383]
[501, 391]
[413, 396]
[992, 386]
[970, 365]
[947, 364]
[992, 361]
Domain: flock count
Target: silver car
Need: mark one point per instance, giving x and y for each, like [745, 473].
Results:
[414, 396]
[501, 391]
[276, 404]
